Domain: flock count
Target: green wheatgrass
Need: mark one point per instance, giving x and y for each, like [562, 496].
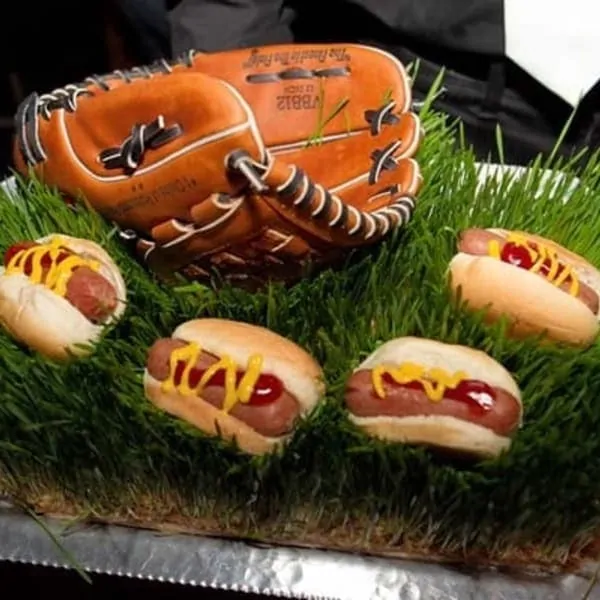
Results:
[71, 443]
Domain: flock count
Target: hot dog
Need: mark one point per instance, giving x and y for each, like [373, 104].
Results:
[239, 381]
[420, 391]
[537, 284]
[58, 293]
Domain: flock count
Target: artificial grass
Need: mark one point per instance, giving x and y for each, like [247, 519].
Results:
[81, 439]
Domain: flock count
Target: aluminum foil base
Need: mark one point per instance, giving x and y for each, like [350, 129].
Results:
[274, 571]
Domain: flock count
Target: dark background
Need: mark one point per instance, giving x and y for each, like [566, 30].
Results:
[56, 43]
[21, 580]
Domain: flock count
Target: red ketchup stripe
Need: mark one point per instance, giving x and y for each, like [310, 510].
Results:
[46, 261]
[268, 388]
[477, 394]
[517, 255]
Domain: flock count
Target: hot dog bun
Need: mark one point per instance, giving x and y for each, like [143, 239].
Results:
[298, 371]
[531, 303]
[441, 431]
[47, 322]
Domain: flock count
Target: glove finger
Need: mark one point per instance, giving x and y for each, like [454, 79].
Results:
[208, 240]
[205, 217]
[361, 169]
[308, 84]
[325, 215]
[212, 223]
[348, 156]
[398, 177]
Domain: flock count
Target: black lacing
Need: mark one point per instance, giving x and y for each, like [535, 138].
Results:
[61, 98]
[28, 130]
[380, 117]
[67, 97]
[37, 106]
[354, 221]
[130, 153]
[393, 215]
[296, 73]
[159, 67]
[383, 160]
[143, 137]
[103, 81]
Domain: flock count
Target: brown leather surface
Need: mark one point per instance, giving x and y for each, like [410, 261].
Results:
[371, 76]
[195, 213]
[73, 143]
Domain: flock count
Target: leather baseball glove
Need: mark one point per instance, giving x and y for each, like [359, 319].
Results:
[200, 174]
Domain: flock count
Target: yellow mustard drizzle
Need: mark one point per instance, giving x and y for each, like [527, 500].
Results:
[56, 277]
[234, 392]
[540, 255]
[435, 381]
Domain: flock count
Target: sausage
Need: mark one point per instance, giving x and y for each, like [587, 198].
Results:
[91, 294]
[271, 420]
[361, 399]
[88, 291]
[475, 241]
[157, 363]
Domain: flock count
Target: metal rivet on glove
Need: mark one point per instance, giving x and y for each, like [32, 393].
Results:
[240, 161]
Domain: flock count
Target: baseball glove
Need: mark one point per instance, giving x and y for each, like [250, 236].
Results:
[180, 163]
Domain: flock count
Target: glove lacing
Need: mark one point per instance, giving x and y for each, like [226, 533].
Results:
[130, 153]
[299, 190]
[37, 106]
[303, 194]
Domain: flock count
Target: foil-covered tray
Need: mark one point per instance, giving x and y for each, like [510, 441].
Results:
[273, 571]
